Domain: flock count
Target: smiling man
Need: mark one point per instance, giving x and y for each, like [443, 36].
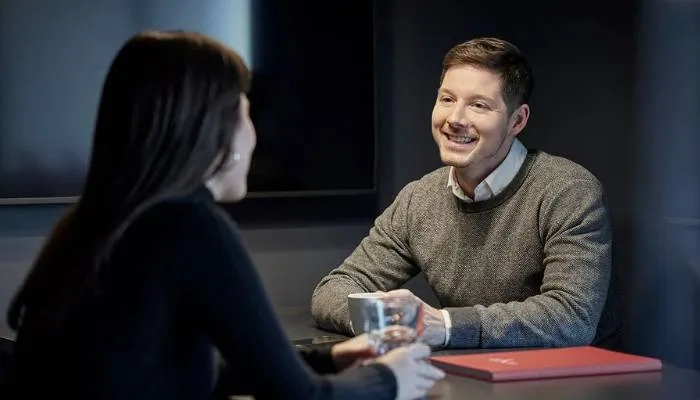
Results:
[515, 243]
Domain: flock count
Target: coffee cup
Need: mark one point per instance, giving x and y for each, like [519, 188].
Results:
[356, 303]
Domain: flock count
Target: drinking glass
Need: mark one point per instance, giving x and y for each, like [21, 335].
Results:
[392, 322]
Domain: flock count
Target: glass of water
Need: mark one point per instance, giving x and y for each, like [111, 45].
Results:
[392, 322]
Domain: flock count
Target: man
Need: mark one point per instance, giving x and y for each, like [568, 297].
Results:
[515, 243]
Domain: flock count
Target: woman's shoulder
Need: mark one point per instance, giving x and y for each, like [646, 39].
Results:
[184, 219]
[184, 210]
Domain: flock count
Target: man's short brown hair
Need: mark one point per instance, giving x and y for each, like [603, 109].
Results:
[500, 57]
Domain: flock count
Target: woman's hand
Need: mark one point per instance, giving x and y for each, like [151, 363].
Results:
[352, 351]
[412, 369]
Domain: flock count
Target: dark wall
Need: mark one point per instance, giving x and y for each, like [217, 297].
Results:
[583, 108]
[666, 278]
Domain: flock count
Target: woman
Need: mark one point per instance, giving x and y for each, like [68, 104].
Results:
[146, 275]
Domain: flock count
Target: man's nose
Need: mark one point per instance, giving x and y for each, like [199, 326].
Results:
[457, 119]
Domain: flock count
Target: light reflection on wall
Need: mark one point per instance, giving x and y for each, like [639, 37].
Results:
[54, 56]
[226, 20]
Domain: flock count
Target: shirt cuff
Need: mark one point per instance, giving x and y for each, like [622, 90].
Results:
[448, 326]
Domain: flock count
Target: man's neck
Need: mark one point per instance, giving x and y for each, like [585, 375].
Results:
[468, 179]
[466, 185]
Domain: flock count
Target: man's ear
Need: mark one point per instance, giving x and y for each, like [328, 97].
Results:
[519, 119]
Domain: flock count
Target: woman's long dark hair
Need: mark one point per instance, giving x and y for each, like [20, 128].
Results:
[168, 111]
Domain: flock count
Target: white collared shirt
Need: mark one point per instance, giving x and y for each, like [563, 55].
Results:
[497, 180]
[494, 184]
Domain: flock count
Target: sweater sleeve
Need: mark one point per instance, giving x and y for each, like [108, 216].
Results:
[576, 237]
[382, 261]
[319, 359]
[227, 298]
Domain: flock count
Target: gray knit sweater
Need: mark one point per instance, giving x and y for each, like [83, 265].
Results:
[528, 267]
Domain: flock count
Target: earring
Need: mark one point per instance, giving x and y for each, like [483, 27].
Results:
[236, 156]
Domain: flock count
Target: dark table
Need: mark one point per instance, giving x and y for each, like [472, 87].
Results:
[670, 384]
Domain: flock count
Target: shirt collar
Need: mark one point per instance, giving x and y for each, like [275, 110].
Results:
[497, 180]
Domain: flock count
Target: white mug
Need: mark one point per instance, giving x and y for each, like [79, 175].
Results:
[357, 318]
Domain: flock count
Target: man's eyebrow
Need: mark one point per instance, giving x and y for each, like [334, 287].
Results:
[443, 90]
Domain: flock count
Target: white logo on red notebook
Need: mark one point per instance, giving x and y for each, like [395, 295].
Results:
[504, 361]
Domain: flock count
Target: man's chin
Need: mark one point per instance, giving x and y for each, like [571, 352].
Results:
[456, 162]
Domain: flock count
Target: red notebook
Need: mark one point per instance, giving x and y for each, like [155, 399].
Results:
[544, 363]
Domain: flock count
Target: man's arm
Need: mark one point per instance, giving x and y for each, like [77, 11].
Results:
[576, 236]
[382, 261]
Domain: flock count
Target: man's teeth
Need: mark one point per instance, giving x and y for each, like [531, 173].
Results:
[461, 139]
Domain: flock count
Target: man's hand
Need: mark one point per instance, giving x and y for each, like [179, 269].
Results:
[352, 351]
[433, 319]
